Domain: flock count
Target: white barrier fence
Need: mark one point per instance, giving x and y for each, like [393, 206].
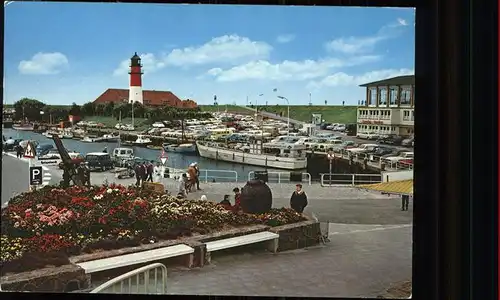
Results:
[208, 175]
[349, 179]
[151, 279]
[380, 162]
[282, 177]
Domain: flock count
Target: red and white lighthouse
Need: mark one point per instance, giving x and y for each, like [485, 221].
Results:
[135, 88]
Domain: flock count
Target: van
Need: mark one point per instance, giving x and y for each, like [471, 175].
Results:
[43, 149]
[99, 161]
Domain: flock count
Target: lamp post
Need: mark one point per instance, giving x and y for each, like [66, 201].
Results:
[288, 114]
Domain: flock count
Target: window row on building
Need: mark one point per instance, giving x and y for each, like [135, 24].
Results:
[391, 96]
[385, 130]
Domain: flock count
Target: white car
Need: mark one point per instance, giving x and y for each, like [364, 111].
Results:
[399, 157]
[363, 135]
[339, 127]
[364, 148]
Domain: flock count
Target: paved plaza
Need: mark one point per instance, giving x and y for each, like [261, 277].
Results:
[369, 248]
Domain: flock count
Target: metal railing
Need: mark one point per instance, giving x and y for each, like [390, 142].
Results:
[282, 177]
[349, 179]
[151, 279]
[208, 175]
[372, 160]
[226, 176]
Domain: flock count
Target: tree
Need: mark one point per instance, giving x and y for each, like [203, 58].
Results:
[108, 109]
[29, 108]
[88, 109]
[75, 109]
[139, 110]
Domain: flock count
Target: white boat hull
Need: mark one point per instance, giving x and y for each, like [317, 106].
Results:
[183, 149]
[252, 159]
[23, 128]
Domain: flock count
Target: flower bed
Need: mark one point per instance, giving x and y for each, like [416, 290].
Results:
[47, 226]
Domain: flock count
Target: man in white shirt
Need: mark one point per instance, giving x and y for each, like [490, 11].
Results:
[182, 185]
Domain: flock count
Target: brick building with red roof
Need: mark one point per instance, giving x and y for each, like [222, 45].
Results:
[150, 98]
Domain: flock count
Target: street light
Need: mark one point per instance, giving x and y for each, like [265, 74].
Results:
[288, 113]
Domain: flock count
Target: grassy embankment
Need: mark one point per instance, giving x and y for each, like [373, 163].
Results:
[330, 113]
[110, 122]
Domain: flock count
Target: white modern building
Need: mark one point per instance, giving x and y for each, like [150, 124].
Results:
[389, 107]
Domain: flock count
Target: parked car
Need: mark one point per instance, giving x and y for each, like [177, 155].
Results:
[363, 148]
[344, 146]
[368, 135]
[99, 161]
[390, 139]
[340, 127]
[380, 151]
[43, 149]
[393, 160]
[324, 126]
[405, 164]
[407, 142]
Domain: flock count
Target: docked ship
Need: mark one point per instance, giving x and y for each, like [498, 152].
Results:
[279, 155]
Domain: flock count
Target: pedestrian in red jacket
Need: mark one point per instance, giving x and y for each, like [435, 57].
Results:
[237, 199]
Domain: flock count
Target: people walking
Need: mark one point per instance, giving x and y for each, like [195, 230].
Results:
[139, 170]
[149, 171]
[197, 169]
[157, 172]
[405, 201]
[86, 174]
[19, 151]
[144, 169]
[298, 201]
[182, 185]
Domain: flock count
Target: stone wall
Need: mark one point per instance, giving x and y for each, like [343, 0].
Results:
[57, 279]
[298, 235]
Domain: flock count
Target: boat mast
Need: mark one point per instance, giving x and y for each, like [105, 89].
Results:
[119, 129]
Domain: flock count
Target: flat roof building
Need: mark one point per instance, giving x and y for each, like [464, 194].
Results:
[389, 107]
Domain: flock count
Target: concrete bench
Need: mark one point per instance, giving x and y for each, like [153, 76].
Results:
[137, 258]
[243, 240]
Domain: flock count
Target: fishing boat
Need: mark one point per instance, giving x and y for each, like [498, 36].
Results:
[23, 127]
[67, 135]
[110, 137]
[51, 133]
[279, 155]
[181, 148]
[142, 140]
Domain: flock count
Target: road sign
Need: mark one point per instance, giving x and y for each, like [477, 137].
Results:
[163, 157]
[36, 175]
[29, 152]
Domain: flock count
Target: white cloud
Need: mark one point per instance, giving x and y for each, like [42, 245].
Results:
[149, 61]
[229, 49]
[287, 70]
[285, 38]
[223, 49]
[343, 79]
[355, 45]
[44, 64]
[402, 22]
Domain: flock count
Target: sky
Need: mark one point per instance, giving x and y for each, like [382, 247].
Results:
[61, 53]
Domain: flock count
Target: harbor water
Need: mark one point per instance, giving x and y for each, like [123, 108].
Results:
[218, 170]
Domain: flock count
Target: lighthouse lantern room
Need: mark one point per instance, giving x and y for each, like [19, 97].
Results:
[135, 88]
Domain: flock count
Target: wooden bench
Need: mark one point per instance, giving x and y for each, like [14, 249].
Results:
[137, 258]
[265, 236]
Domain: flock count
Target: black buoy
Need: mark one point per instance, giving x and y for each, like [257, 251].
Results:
[256, 197]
